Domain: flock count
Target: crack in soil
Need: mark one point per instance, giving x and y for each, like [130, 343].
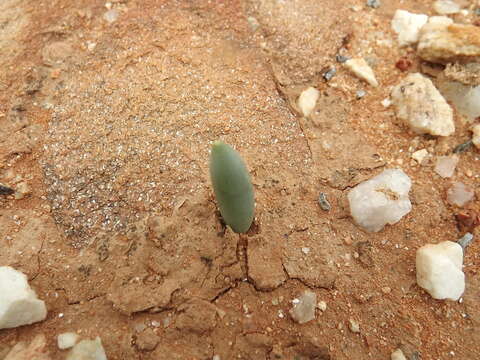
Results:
[82, 300]
[282, 95]
[38, 261]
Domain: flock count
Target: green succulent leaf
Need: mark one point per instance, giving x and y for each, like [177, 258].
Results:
[232, 186]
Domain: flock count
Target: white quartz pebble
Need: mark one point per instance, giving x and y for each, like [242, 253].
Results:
[362, 70]
[354, 326]
[465, 98]
[88, 350]
[446, 165]
[19, 304]
[111, 15]
[459, 194]
[307, 100]
[407, 26]
[420, 155]
[322, 305]
[439, 270]
[67, 340]
[381, 200]
[446, 7]
[397, 355]
[421, 106]
[476, 135]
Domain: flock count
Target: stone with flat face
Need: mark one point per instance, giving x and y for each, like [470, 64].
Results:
[421, 107]
[439, 270]
[442, 41]
[19, 304]
[88, 350]
[303, 309]
[407, 26]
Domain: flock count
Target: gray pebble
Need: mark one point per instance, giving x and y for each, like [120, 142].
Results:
[329, 74]
[341, 58]
[373, 3]
[5, 190]
[463, 147]
[323, 202]
[465, 240]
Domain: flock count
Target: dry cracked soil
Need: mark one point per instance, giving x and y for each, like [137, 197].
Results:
[109, 123]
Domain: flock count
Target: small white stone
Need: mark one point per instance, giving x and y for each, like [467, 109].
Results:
[381, 200]
[362, 70]
[446, 165]
[421, 106]
[111, 15]
[397, 355]
[304, 311]
[88, 350]
[354, 326]
[322, 305]
[253, 22]
[439, 21]
[386, 290]
[439, 270]
[307, 100]
[446, 7]
[19, 304]
[22, 190]
[476, 135]
[407, 26]
[91, 45]
[67, 340]
[458, 194]
[305, 250]
[420, 156]
[386, 102]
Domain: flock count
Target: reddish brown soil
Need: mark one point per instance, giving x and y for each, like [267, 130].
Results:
[110, 126]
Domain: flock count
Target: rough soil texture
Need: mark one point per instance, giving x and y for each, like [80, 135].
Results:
[109, 125]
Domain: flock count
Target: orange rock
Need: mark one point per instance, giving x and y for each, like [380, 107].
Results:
[442, 41]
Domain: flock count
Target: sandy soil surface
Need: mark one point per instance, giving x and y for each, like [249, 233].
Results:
[109, 125]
